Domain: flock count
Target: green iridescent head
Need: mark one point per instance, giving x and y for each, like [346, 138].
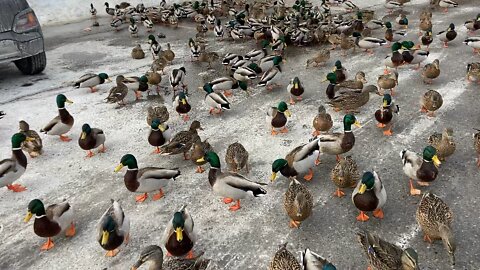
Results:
[127, 160]
[143, 79]
[61, 100]
[277, 60]
[338, 64]
[282, 106]
[212, 158]
[18, 139]
[348, 121]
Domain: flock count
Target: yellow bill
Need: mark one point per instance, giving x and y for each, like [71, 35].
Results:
[161, 127]
[296, 85]
[105, 236]
[357, 124]
[83, 135]
[118, 168]
[184, 101]
[385, 103]
[362, 189]
[288, 113]
[179, 232]
[201, 159]
[68, 101]
[436, 161]
[273, 176]
[28, 216]
[30, 139]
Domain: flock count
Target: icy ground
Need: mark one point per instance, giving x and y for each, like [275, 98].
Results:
[248, 238]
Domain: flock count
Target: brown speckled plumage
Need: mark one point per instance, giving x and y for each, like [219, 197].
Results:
[443, 142]
[298, 201]
[432, 101]
[284, 260]
[345, 173]
[33, 148]
[322, 121]
[157, 112]
[236, 157]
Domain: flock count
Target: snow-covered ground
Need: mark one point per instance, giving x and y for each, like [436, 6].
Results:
[248, 238]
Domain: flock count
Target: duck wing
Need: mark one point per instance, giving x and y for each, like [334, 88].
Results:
[51, 124]
[84, 78]
[157, 173]
[7, 165]
[238, 181]
[301, 152]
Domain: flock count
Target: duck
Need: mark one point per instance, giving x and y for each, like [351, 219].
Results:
[430, 102]
[216, 101]
[159, 64]
[335, 39]
[109, 10]
[447, 4]
[159, 112]
[345, 174]
[169, 54]
[300, 160]
[62, 123]
[181, 105]
[369, 195]
[208, 57]
[431, 71]
[256, 55]
[153, 254]
[93, 11]
[182, 141]
[312, 261]
[447, 35]
[298, 203]
[346, 44]
[159, 135]
[116, 22]
[388, 81]
[351, 101]
[155, 47]
[270, 77]
[199, 149]
[425, 22]
[241, 62]
[476, 145]
[322, 122]
[270, 61]
[395, 59]
[435, 219]
[384, 255]
[179, 237]
[356, 84]
[136, 85]
[473, 42]
[443, 142]
[147, 22]
[391, 5]
[226, 84]
[419, 56]
[137, 52]
[177, 76]
[218, 29]
[56, 219]
[295, 89]
[11, 169]
[113, 229]
[332, 79]
[473, 24]
[132, 28]
[277, 118]
[340, 72]
[423, 169]
[236, 158]
[338, 143]
[426, 39]
[195, 49]
[368, 43]
[230, 58]
[402, 20]
[144, 180]
[386, 115]
[473, 72]
[284, 259]
[33, 146]
[120, 93]
[244, 74]
[91, 81]
[153, 78]
[394, 36]
[92, 138]
[231, 186]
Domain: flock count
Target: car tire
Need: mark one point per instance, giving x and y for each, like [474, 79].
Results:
[33, 64]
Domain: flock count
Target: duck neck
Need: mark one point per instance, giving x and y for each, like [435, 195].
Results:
[130, 179]
[63, 113]
[212, 175]
[19, 156]
[347, 128]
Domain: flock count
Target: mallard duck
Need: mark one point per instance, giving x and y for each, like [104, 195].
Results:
[33, 146]
[375, 24]
[430, 102]
[447, 4]
[447, 35]
[11, 169]
[93, 11]
[346, 44]
[418, 57]
[385, 116]
[195, 49]
[217, 102]
[57, 218]
[154, 255]
[443, 142]
[322, 121]
[120, 93]
[424, 170]
[368, 43]
[270, 61]
[338, 143]
[91, 138]
[153, 78]
[230, 58]
[395, 59]
[270, 77]
[241, 62]
[157, 112]
[473, 42]
[356, 84]
[116, 22]
[208, 57]
[147, 22]
[435, 219]
[473, 72]
[236, 157]
[159, 134]
[388, 81]
[473, 24]
[62, 123]
[182, 141]
[476, 145]
[295, 88]
[178, 237]
[284, 259]
[351, 101]
[277, 118]
[155, 47]
[384, 255]
[177, 76]
[148, 179]
[256, 55]
[369, 195]
[91, 80]
[335, 39]
[298, 203]
[394, 36]
[132, 28]
[218, 29]
[425, 22]
[231, 186]
[312, 261]
[137, 85]
[137, 52]
[226, 84]
[298, 161]
[181, 105]
[402, 20]
[344, 174]
[340, 72]
[426, 39]
[391, 5]
[159, 64]
[168, 53]
[109, 10]
[199, 149]
[113, 229]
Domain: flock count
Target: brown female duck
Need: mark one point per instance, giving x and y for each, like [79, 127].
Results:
[322, 122]
[298, 203]
[443, 142]
[236, 157]
[344, 174]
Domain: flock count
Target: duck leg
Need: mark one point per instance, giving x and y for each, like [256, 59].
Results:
[427, 238]
[158, 195]
[292, 101]
[71, 230]
[93, 90]
[200, 169]
[380, 125]
[274, 132]
[378, 213]
[47, 245]
[64, 138]
[388, 131]
[89, 154]
[338, 158]
[316, 133]
[16, 188]
[157, 150]
[103, 149]
[227, 93]
[294, 224]
[186, 117]
[141, 198]
[112, 253]
[284, 130]
[362, 217]
[309, 176]
[413, 190]
[227, 200]
[235, 207]
[190, 255]
[339, 193]
[423, 184]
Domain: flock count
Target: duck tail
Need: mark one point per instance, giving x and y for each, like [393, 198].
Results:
[259, 192]
[177, 174]
[226, 106]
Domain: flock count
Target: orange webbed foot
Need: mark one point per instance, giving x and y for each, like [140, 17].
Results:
[16, 188]
[157, 150]
[64, 138]
[316, 133]
[103, 149]
[284, 130]
[339, 193]
[427, 238]
[47, 245]
[190, 255]
[112, 253]
[227, 200]
[90, 154]
[294, 224]
[413, 190]
[387, 132]
[378, 213]
[362, 217]
[200, 169]
[158, 195]
[235, 207]
[141, 198]
[380, 125]
[70, 231]
[309, 176]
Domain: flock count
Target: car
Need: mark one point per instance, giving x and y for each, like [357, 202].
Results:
[21, 37]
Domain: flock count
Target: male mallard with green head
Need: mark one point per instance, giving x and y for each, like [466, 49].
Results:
[332, 78]
[369, 196]
[62, 123]
[57, 218]
[231, 186]
[178, 237]
[217, 102]
[91, 80]
[385, 116]
[91, 138]
[113, 229]
[181, 105]
[148, 179]
[312, 261]
[11, 169]
[159, 134]
[277, 118]
[423, 169]
[295, 89]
